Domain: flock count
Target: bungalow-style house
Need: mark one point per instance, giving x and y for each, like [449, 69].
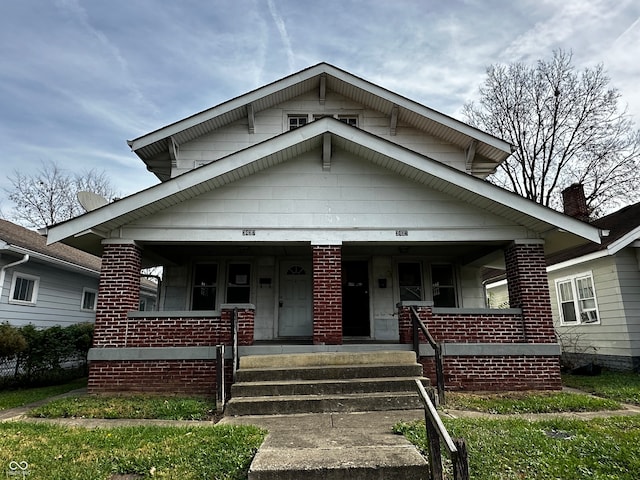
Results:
[46, 285]
[321, 208]
[595, 290]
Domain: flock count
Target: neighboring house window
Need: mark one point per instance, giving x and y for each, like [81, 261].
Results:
[143, 304]
[89, 299]
[410, 281]
[205, 286]
[296, 121]
[239, 283]
[443, 286]
[577, 300]
[24, 289]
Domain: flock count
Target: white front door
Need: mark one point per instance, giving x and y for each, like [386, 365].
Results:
[295, 317]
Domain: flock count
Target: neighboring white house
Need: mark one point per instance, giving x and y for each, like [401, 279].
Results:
[48, 285]
[595, 290]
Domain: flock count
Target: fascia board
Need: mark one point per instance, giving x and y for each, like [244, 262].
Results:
[577, 261]
[223, 108]
[91, 220]
[420, 109]
[51, 260]
[301, 76]
[470, 183]
[624, 241]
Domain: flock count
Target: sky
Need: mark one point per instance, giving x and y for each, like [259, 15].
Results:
[80, 77]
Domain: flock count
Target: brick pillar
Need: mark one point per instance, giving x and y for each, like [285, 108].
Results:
[327, 294]
[529, 290]
[118, 291]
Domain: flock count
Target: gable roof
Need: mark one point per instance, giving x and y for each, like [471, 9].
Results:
[88, 230]
[21, 240]
[154, 148]
[623, 227]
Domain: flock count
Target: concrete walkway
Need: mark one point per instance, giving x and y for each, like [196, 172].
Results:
[335, 446]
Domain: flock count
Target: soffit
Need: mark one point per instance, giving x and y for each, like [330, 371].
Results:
[153, 148]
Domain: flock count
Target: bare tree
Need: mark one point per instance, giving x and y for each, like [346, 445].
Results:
[48, 196]
[566, 127]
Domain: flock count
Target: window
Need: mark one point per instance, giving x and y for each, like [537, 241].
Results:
[205, 286]
[443, 286]
[89, 299]
[239, 285]
[296, 121]
[349, 120]
[577, 300]
[24, 289]
[410, 281]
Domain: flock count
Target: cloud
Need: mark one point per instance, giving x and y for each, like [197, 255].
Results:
[282, 30]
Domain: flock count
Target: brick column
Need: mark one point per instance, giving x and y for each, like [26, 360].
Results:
[529, 289]
[118, 291]
[327, 294]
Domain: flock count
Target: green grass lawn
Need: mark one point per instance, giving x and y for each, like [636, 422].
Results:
[199, 452]
[516, 449]
[23, 396]
[136, 406]
[619, 386]
[528, 402]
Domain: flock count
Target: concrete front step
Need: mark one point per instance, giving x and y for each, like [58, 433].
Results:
[325, 382]
[328, 372]
[324, 387]
[292, 404]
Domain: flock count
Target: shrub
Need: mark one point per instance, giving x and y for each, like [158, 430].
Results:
[52, 354]
[12, 342]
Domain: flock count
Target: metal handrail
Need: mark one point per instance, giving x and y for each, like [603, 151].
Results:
[419, 326]
[234, 347]
[437, 432]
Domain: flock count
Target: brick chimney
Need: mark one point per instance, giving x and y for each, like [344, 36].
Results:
[575, 203]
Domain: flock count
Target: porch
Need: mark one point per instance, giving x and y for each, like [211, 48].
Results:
[174, 350]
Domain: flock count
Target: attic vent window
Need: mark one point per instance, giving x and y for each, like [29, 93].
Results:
[296, 121]
[349, 120]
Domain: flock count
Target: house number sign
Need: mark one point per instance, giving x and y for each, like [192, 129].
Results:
[248, 233]
[402, 233]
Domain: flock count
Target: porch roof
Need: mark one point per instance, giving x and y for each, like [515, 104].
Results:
[154, 148]
[559, 231]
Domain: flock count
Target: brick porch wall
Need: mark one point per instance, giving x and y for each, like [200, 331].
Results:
[528, 291]
[497, 373]
[327, 295]
[118, 295]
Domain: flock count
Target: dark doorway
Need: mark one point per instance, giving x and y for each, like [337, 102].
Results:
[355, 299]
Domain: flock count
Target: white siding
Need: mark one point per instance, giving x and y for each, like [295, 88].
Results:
[59, 297]
[272, 122]
[298, 194]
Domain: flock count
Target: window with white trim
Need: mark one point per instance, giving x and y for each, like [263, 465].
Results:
[443, 285]
[205, 286]
[89, 299]
[577, 300]
[297, 121]
[410, 281]
[24, 289]
[239, 283]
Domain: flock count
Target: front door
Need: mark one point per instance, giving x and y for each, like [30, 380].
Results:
[355, 299]
[295, 317]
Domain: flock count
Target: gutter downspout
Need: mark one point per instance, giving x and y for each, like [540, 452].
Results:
[5, 267]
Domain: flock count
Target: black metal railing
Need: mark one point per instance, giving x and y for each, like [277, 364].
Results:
[419, 326]
[436, 436]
